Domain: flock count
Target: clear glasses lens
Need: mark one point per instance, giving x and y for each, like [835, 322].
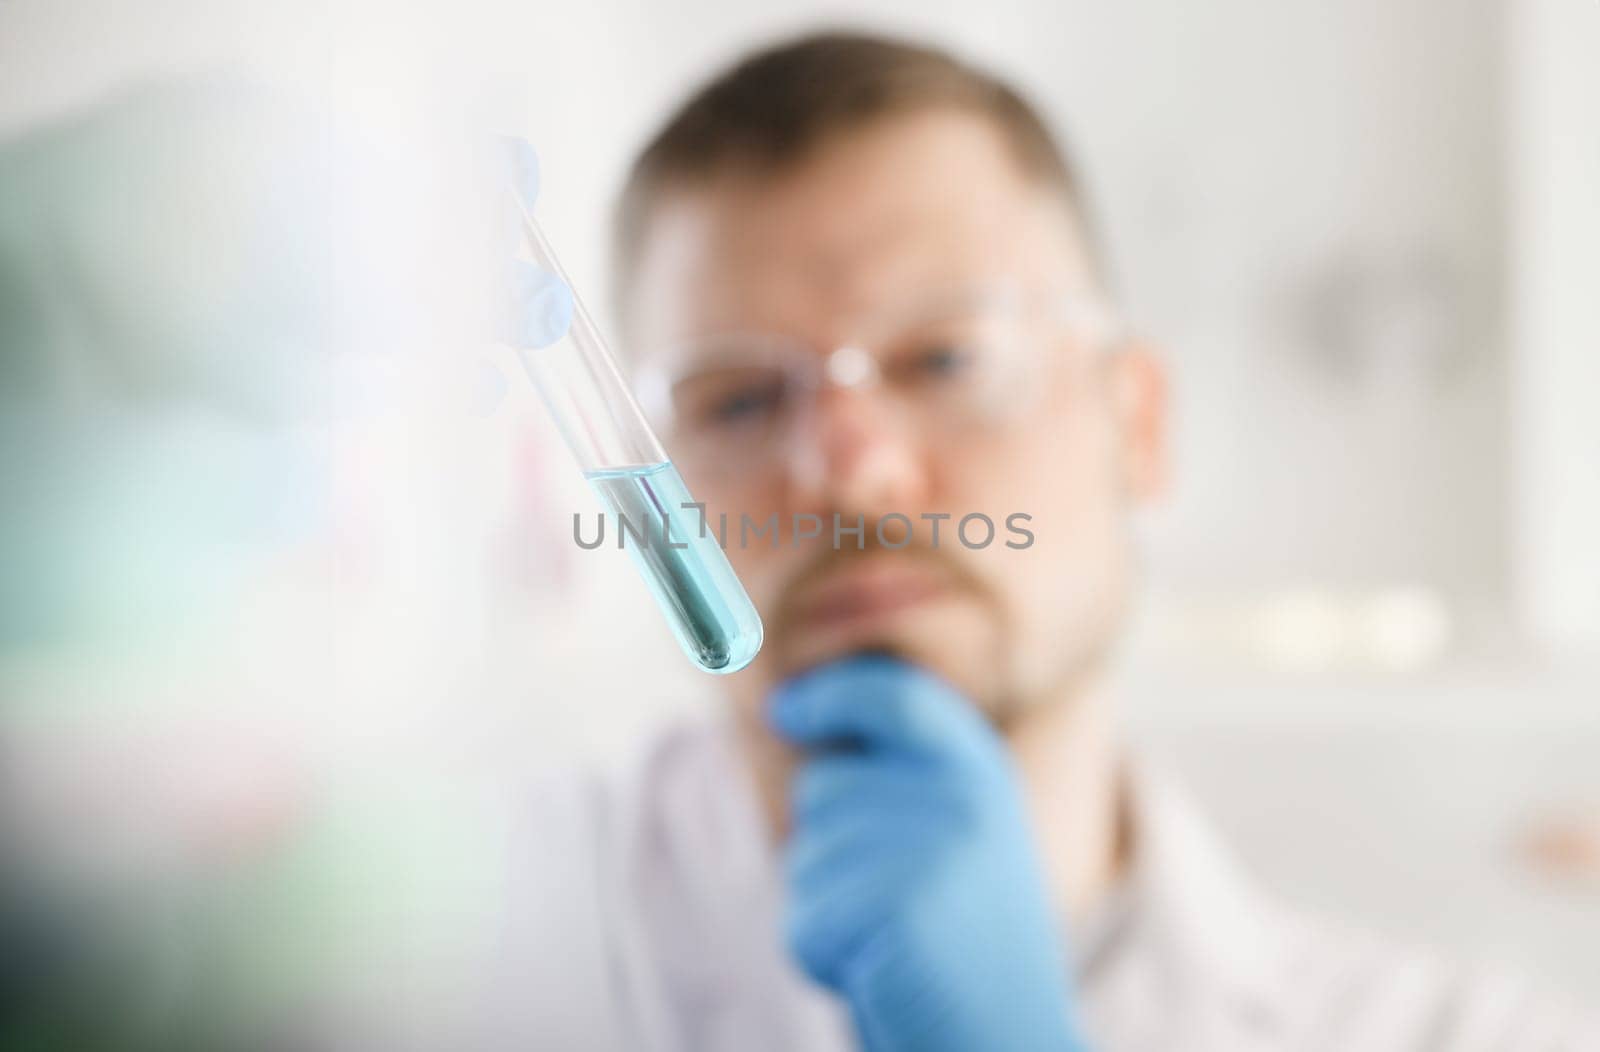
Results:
[963, 364]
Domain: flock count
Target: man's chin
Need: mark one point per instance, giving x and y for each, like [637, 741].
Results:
[954, 640]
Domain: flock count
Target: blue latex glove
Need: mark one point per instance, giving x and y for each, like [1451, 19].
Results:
[914, 890]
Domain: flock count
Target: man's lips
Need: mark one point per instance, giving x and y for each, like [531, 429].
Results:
[866, 593]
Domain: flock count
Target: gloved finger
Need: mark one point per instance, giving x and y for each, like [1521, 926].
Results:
[876, 703]
[880, 841]
[827, 920]
[539, 307]
[822, 928]
[837, 783]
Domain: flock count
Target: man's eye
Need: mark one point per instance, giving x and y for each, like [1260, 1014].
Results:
[745, 406]
[936, 363]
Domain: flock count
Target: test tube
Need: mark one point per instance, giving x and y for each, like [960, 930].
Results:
[680, 559]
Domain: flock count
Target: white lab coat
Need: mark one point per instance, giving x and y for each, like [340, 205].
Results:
[646, 915]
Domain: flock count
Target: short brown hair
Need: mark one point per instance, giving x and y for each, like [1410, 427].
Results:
[773, 106]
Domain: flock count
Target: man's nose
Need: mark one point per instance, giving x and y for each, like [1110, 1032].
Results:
[859, 454]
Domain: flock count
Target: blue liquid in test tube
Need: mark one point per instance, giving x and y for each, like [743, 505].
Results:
[687, 571]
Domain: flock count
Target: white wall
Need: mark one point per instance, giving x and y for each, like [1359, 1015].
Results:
[1555, 161]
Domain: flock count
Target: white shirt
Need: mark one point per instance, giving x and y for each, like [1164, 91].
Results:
[649, 917]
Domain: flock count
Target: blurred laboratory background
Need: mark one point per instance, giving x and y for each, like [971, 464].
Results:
[1366, 232]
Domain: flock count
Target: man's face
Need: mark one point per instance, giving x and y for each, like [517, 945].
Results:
[871, 232]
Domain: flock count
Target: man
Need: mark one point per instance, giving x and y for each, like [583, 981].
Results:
[857, 281]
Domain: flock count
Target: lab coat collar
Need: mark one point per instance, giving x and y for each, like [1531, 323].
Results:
[1189, 912]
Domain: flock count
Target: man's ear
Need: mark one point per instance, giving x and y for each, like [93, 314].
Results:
[1138, 384]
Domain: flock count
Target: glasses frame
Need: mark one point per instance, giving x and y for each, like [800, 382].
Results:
[856, 364]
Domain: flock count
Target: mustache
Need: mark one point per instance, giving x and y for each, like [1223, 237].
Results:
[827, 562]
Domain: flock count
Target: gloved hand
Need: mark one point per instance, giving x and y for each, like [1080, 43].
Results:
[914, 890]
